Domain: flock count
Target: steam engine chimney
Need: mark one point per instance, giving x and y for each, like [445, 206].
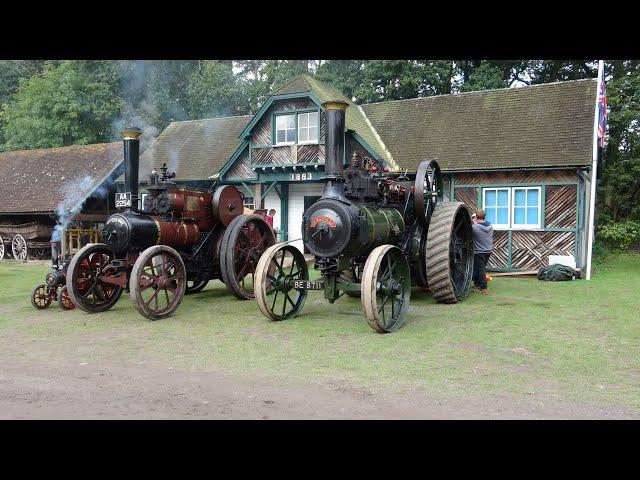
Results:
[334, 114]
[131, 163]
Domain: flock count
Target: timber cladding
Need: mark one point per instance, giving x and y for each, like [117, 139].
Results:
[521, 176]
[241, 168]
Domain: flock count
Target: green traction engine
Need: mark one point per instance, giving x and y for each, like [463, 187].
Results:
[374, 235]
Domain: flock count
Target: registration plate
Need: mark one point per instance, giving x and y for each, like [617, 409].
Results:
[306, 285]
[123, 200]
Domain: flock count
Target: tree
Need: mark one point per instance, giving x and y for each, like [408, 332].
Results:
[484, 76]
[345, 75]
[70, 103]
[214, 91]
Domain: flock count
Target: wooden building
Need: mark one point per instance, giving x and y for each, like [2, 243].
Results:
[39, 185]
[522, 154]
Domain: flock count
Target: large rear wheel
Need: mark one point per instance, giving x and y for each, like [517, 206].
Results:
[449, 254]
[244, 241]
[278, 267]
[158, 282]
[386, 288]
[86, 288]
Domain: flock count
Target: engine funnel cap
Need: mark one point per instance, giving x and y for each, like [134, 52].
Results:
[131, 133]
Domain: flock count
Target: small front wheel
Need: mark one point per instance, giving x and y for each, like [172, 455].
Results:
[64, 300]
[386, 288]
[40, 298]
[278, 267]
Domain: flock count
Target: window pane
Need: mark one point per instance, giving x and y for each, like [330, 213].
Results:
[532, 215]
[503, 198]
[303, 136]
[503, 215]
[519, 197]
[490, 198]
[303, 120]
[279, 122]
[280, 136]
[518, 216]
[290, 121]
[313, 119]
[291, 135]
[313, 133]
[532, 198]
[491, 215]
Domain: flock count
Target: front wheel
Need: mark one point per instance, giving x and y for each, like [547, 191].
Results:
[63, 299]
[386, 288]
[158, 282]
[40, 298]
[277, 268]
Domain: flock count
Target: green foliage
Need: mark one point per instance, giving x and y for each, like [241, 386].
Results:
[214, 91]
[484, 77]
[620, 235]
[70, 103]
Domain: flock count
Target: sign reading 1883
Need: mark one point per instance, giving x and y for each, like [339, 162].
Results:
[301, 176]
[123, 200]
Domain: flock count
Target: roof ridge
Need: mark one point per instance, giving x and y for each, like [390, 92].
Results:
[378, 138]
[69, 147]
[192, 120]
[480, 92]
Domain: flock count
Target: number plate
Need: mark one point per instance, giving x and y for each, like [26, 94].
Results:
[123, 200]
[306, 285]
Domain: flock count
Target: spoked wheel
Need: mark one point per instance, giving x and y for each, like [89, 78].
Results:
[63, 299]
[279, 266]
[39, 253]
[386, 288]
[1, 248]
[245, 240]
[19, 247]
[450, 253]
[40, 298]
[195, 286]
[158, 282]
[86, 289]
[428, 190]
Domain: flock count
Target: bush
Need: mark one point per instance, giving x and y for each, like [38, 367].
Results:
[620, 235]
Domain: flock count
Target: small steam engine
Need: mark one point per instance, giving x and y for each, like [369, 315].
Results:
[178, 242]
[374, 235]
[54, 287]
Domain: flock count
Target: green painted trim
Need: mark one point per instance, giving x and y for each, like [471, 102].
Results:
[367, 147]
[225, 168]
[256, 118]
[265, 192]
[505, 185]
[251, 194]
[510, 248]
[543, 205]
[284, 212]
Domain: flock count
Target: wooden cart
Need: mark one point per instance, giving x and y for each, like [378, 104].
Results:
[24, 240]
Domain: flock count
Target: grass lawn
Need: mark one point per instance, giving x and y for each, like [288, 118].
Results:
[573, 341]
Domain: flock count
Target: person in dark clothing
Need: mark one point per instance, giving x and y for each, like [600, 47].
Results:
[482, 248]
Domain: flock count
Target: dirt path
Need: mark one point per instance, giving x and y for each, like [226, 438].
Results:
[122, 391]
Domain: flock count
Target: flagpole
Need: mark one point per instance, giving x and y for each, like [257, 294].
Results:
[594, 168]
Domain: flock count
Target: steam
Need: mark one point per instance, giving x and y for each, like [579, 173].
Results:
[76, 192]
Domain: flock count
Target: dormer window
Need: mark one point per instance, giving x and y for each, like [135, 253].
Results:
[308, 127]
[285, 129]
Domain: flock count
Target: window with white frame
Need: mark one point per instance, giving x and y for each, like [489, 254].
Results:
[526, 208]
[512, 207]
[249, 202]
[285, 129]
[308, 127]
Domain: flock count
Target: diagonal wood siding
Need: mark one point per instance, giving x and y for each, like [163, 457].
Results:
[241, 168]
[532, 249]
[560, 206]
[500, 256]
[468, 196]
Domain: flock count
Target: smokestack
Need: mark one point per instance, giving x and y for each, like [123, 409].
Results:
[131, 139]
[55, 253]
[334, 114]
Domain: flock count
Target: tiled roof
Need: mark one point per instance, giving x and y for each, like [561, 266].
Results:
[547, 125]
[194, 149]
[37, 181]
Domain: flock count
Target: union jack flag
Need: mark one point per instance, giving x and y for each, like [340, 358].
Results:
[602, 111]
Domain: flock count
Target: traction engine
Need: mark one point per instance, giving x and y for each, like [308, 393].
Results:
[180, 240]
[374, 235]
